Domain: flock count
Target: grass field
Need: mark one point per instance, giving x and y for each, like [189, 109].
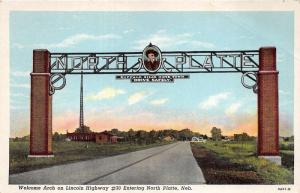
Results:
[66, 152]
[243, 156]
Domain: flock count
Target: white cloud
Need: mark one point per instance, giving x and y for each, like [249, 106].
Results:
[63, 28]
[76, 39]
[18, 85]
[285, 103]
[159, 101]
[165, 40]
[18, 45]
[162, 39]
[19, 95]
[246, 37]
[283, 92]
[18, 107]
[106, 93]
[232, 109]
[202, 44]
[21, 73]
[214, 100]
[137, 97]
[128, 31]
[280, 57]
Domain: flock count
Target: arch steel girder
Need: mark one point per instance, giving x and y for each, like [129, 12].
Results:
[173, 62]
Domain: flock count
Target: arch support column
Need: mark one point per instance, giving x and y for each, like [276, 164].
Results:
[268, 114]
[40, 106]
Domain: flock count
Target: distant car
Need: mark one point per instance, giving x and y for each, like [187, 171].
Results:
[226, 139]
[198, 139]
[67, 139]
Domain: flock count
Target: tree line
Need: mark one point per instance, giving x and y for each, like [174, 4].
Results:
[142, 136]
[147, 137]
[216, 135]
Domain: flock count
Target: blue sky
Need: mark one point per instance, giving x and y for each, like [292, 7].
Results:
[203, 101]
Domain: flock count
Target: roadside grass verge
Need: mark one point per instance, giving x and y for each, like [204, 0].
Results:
[67, 152]
[244, 154]
[287, 158]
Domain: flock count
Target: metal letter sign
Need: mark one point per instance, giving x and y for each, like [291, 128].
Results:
[154, 65]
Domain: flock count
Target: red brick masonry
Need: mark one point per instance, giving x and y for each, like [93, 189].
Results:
[102, 137]
[268, 103]
[41, 105]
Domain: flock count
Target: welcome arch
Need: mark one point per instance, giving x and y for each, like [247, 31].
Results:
[153, 65]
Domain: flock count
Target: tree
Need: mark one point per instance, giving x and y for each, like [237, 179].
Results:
[141, 136]
[167, 132]
[243, 137]
[131, 135]
[185, 134]
[125, 136]
[56, 137]
[115, 131]
[59, 136]
[160, 134]
[216, 134]
[152, 136]
[175, 134]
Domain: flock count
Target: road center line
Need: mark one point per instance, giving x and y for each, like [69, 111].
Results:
[124, 167]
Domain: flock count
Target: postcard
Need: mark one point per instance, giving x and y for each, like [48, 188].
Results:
[153, 96]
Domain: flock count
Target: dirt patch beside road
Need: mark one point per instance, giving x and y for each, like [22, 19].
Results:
[218, 170]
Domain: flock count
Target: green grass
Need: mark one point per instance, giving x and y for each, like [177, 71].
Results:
[287, 158]
[244, 153]
[286, 145]
[66, 152]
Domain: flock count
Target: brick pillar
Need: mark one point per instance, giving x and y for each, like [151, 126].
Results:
[41, 106]
[268, 130]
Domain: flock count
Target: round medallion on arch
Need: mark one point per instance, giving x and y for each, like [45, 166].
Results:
[152, 58]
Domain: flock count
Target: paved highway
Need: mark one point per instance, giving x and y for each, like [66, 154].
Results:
[168, 164]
